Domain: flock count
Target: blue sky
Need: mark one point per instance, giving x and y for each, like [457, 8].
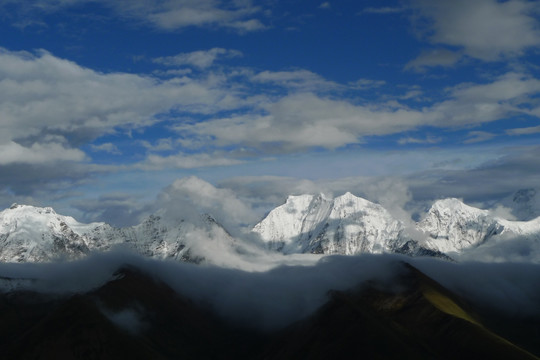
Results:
[106, 107]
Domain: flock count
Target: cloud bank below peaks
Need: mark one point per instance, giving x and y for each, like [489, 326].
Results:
[277, 297]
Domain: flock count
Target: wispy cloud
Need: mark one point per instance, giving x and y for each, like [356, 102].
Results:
[431, 58]
[200, 59]
[324, 5]
[478, 136]
[106, 147]
[166, 15]
[383, 10]
[186, 161]
[524, 131]
[413, 140]
[301, 79]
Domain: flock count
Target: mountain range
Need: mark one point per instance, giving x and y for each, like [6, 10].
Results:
[351, 225]
[313, 224]
[378, 305]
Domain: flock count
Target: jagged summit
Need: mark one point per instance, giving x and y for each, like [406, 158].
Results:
[346, 224]
[19, 208]
[34, 234]
[309, 223]
[349, 224]
[453, 226]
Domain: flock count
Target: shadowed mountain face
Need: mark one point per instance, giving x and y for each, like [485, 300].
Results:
[132, 316]
[138, 317]
[417, 320]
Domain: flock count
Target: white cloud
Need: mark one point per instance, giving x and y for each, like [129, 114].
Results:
[435, 57]
[13, 153]
[106, 147]
[201, 59]
[366, 84]
[382, 10]
[524, 131]
[413, 140]
[471, 104]
[117, 209]
[47, 99]
[478, 136]
[186, 161]
[160, 145]
[304, 120]
[485, 29]
[324, 5]
[166, 14]
[303, 80]
[187, 197]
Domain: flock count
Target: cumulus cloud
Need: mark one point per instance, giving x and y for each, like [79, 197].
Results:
[117, 209]
[470, 104]
[188, 197]
[44, 94]
[305, 120]
[485, 29]
[50, 107]
[13, 153]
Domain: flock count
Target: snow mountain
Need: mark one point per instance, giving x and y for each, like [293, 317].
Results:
[33, 234]
[352, 225]
[313, 224]
[344, 225]
[452, 226]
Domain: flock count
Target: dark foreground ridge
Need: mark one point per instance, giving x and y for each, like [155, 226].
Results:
[135, 316]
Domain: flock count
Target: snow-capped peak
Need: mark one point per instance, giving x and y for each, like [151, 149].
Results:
[17, 209]
[30, 233]
[346, 224]
[453, 226]
[34, 234]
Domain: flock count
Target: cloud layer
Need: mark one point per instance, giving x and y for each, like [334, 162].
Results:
[275, 298]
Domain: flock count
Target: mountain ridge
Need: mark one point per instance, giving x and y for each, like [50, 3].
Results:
[315, 224]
